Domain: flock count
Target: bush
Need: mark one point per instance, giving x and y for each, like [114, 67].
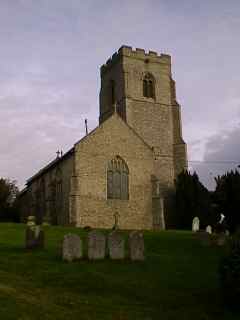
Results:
[230, 274]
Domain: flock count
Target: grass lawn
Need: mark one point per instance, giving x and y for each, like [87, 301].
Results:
[178, 280]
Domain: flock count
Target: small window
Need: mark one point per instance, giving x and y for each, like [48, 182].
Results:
[149, 86]
[117, 179]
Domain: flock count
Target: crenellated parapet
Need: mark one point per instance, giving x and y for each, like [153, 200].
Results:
[127, 51]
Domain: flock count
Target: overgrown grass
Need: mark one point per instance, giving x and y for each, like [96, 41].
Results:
[178, 280]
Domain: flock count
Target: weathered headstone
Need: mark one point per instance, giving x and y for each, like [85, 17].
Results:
[195, 224]
[116, 245]
[96, 245]
[209, 229]
[136, 246]
[31, 221]
[71, 247]
[34, 237]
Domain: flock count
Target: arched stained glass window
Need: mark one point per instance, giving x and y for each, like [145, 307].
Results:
[149, 86]
[117, 179]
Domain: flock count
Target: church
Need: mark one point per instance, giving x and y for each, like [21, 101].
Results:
[123, 171]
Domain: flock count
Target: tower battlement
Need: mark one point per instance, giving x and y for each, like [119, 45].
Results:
[137, 53]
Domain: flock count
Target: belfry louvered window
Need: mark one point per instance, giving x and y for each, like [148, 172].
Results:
[148, 86]
[117, 179]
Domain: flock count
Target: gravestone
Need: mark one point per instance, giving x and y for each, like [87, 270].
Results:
[209, 229]
[71, 248]
[195, 224]
[96, 245]
[136, 246]
[31, 221]
[34, 237]
[116, 245]
[227, 233]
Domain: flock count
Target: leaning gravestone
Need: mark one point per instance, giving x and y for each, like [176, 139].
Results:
[71, 247]
[209, 229]
[34, 237]
[96, 245]
[136, 246]
[195, 224]
[116, 245]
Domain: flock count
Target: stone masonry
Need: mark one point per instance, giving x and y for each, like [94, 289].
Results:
[144, 131]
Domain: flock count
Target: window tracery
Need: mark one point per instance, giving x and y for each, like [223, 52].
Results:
[149, 86]
[117, 179]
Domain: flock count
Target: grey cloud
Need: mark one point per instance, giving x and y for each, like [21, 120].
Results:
[222, 154]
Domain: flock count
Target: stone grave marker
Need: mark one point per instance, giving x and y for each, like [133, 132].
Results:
[116, 245]
[195, 224]
[72, 248]
[136, 246]
[34, 237]
[31, 221]
[96, 245]
[209, 229]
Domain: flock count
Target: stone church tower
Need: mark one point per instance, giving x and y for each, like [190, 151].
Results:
[140, 87]
[128, 164]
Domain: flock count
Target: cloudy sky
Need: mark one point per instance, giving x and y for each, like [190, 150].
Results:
[51, 51]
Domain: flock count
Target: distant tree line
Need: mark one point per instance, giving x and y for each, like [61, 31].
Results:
[193, 199]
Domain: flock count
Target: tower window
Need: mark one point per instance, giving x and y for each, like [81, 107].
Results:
[117, 179]
[149, 86]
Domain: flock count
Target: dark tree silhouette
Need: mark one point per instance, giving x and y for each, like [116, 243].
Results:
[8, 200]
[192, 199]
[227, 198]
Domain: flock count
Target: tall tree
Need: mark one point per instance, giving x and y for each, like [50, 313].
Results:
[227, 198]
[192, 199]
